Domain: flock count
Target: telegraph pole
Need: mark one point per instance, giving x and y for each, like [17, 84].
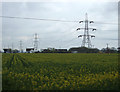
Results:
[86, 37]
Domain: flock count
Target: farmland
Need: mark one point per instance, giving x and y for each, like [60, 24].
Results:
[45, 71]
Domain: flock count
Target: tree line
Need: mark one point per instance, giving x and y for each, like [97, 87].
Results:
[71, 50]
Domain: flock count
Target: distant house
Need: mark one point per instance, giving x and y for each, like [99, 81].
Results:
[7, 50]
[118, 49]
[60, 50]
[29, 50]
[15, 51]
[74, 51]
[36, 51]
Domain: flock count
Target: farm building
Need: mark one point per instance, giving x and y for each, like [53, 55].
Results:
[61, 50]
[29, 50]
[83, 50]
[7, 50]
[52, 50]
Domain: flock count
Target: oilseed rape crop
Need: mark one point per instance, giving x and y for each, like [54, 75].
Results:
[55, 71]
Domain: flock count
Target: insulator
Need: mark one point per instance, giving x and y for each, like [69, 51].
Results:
[93, 29]
[80, 21]
[80, 36]
[78, 29]
[92, 36]
[91, 22]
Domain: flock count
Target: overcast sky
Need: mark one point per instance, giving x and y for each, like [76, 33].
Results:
[58, 34]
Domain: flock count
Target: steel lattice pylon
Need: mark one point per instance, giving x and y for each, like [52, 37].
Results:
[21, 45]
[35, 42]
[86, 37]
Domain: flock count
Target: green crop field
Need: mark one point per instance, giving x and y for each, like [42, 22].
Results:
[45, 71]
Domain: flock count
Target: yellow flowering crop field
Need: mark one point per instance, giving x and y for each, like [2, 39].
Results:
[55, 71]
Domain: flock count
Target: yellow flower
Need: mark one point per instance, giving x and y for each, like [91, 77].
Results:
[34, 82]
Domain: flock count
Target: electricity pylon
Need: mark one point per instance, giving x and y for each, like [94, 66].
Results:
[86, 36]
[35, 42]
[21, 45]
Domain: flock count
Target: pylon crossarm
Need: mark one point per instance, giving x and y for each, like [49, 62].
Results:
[79, 29]
[92, 36]
[93, 29]
[80, 36]
[87, 20]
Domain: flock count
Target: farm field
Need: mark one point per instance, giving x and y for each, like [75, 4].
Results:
[54, 71]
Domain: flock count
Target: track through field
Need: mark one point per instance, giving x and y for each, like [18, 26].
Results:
[17, 60]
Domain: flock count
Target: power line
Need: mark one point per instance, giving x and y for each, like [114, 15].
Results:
[36, 19]
[97, 22]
